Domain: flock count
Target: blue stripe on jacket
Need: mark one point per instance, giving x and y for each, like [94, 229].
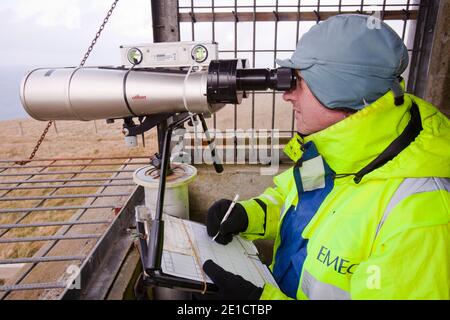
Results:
[291, 253]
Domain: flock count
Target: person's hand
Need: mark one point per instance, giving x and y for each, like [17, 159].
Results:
[231, 286]
[236, 222]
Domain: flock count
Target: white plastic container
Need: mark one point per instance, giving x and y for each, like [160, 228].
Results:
[176, 196]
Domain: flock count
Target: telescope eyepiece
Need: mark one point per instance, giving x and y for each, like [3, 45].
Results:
[286, 79]
[281, 79]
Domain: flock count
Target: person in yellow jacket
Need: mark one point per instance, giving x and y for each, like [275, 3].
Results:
[364, 211]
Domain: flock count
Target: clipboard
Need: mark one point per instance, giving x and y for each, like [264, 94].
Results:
[186, 246]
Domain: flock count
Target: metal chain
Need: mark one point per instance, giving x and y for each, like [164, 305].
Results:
[97, 35]
[83, 61]
[38, 144]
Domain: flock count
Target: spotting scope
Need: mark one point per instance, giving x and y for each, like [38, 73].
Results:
[145, 87]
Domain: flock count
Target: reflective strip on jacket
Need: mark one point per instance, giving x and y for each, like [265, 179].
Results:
[386, 237]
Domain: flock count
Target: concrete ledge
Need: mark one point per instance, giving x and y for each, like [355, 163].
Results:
[208, 187]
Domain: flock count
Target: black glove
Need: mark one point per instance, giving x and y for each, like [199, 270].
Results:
[231, 286]
[236, 222]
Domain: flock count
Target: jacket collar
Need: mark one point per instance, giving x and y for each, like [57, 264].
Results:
[352, 143]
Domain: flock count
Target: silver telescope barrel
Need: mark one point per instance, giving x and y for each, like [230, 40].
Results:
[111, 93]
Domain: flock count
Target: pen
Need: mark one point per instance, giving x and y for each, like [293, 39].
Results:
[227, 214]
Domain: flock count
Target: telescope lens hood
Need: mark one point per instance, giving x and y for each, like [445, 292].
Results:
[222, 82]
[228, 80]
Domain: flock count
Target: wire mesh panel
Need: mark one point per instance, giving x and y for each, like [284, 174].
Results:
[52, 214]
[264, 30]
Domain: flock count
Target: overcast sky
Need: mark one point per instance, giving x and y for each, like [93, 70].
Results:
[58, 32]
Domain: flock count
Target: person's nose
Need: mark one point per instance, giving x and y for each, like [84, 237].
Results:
[288, 96]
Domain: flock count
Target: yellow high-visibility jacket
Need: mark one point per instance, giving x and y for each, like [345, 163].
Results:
[386, 237]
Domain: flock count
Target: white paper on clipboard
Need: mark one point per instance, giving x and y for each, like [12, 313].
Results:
[239, 256]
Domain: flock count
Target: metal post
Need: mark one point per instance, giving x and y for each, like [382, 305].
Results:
[156, 236]
[253, 63]
[437, 89]
[166, 26]
[275, 47]
[418, 75]
[297, 33]
[55, 127]
[161, 129]
[214, 40]
[21, 128]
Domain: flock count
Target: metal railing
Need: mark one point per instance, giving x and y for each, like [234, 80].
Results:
[294, 14]
[100, 210]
